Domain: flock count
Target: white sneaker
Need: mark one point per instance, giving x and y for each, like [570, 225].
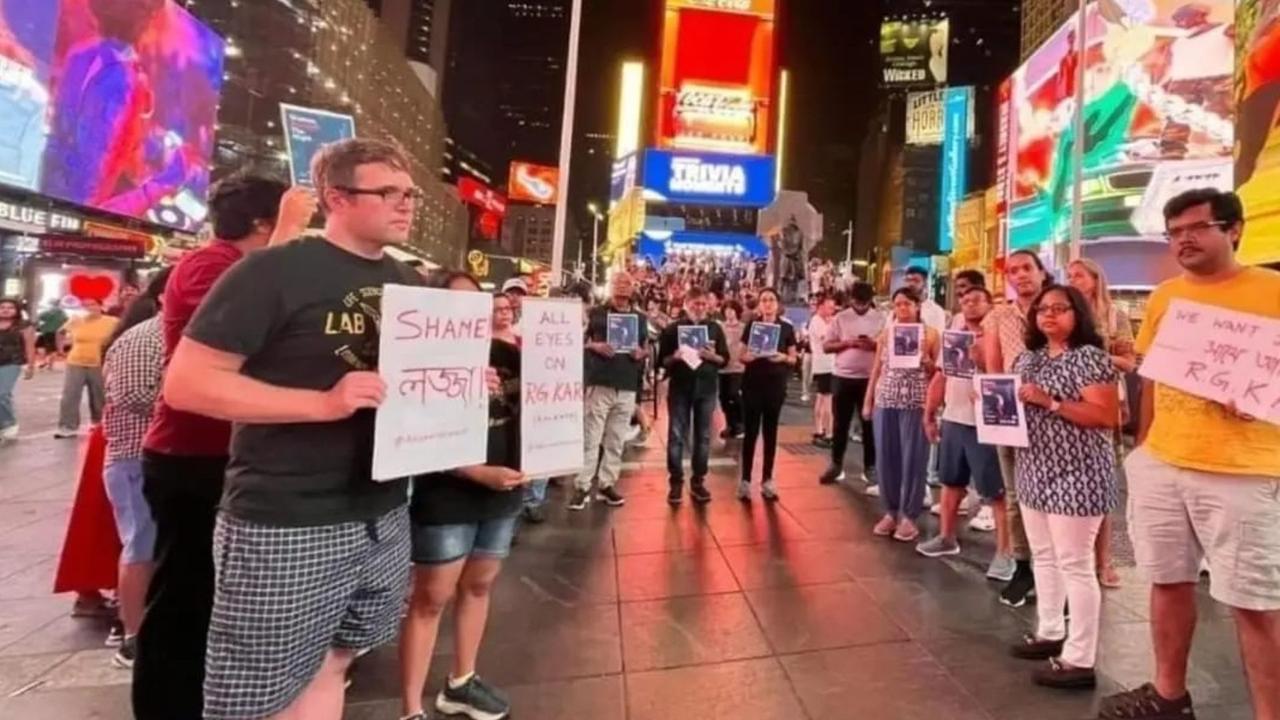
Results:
[744, 489]
[873, 490]
[984, 521]
[962, 511]
[769, 490]
[804, 397]
[9, 433]
[841, 477]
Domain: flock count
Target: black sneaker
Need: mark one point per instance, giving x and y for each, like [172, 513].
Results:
[699, 493]
[124, 657]
[534, 514]
[476, 699]
[1021, 588]
[1030, 647]
[612, 497]
[830, 477]
[675, 495]
[1145, 703]
[580, 499]
[1058, 675]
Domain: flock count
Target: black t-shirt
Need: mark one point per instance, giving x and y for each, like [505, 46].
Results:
[704, 381]
[621, 372]
[446, 499]
[303, 315]
[763, 369]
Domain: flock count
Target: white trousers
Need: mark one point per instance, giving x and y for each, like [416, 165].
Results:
[1062, 557]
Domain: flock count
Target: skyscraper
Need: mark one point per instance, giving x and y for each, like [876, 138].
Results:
[1040, 18]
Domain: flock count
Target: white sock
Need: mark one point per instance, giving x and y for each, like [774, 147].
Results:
[455, 683]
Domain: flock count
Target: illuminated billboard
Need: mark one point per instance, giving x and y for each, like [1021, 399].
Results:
[533, 183]
[957, 113]
[716, 76]
[708, 178]
[1258, 130]
[926, 122]
[1158, 118]
[914, 53]
[110, 104]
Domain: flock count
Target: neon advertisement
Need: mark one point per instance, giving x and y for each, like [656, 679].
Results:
[534, 183]
[130, 91]
[1158, 117]
[958, 106]
[708, 178]
[914, 53]
[1258, 130]
[716, 76]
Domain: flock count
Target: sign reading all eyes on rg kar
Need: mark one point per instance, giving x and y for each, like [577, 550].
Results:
[709, 178]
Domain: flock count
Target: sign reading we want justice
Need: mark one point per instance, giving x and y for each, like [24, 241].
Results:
[1221, 355]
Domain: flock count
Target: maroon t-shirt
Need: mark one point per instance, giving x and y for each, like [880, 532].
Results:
[173, 432]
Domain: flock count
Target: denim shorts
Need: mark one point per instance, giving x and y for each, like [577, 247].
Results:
[123, 480]
[963, 459]
[443, 544]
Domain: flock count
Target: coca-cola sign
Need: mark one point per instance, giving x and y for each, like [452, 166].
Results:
[725, 119]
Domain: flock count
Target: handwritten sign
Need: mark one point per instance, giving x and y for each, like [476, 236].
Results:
[1220, 355]
[433, 355]
[551, 417]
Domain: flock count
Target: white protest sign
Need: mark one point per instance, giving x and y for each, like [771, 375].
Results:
[433, 355]
[1220, 355]
[1001, 416]
[551, 414]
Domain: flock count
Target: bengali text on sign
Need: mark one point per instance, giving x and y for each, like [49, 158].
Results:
[1218, 354]
[433, 355]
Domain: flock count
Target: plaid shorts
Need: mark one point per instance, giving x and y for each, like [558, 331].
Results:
[286, 596]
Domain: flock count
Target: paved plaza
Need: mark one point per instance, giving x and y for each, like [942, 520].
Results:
[753, 612]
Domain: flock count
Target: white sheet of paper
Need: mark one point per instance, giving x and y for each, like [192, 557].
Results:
[690, 357]
[906, 345]
[433, 355]
[1001, 416]
[552, 410]
[1220, 355]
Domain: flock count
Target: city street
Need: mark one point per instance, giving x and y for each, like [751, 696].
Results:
[652, 613]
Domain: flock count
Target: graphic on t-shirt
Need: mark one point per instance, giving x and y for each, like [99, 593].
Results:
[957, 354]
[361, 319]
[694, 336]
[764, 338]
[624, 332]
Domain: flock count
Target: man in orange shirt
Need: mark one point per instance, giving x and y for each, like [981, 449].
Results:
[1204, 482]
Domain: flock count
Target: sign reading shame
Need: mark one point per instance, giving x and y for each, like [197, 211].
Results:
[433, 355]
[1221, 355]
[551, 416]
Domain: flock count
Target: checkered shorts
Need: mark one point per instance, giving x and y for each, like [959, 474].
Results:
[285, 596]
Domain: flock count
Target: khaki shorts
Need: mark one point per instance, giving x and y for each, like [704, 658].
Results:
[1178, 516]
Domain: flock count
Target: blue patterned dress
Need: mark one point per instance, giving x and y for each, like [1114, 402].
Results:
[1068, 469]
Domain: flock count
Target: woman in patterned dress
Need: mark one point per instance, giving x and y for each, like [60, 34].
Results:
[1066, 479]
[1113, 324]
[895, 403]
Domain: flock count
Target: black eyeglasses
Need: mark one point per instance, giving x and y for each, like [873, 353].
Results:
[1194, 229]
[1054, 309]
[394, 195]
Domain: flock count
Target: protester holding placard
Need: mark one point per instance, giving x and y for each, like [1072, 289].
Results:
[896, 402]
[963, 458]
[1004, 333]
[1088, 277]
[616, 348]
[312, 554]
[1204, 482]
[731, 373]
[1066, 480]
[692, 349]
[769, 358]
[463, 523]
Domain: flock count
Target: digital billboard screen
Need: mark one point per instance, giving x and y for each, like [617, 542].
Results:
[110, 104]
[709, 178]
[716, 76]
[534, 183]
[914, 53]
[1158, 119]
[1258, 130]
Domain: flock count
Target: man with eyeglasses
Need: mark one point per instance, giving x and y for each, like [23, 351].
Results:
[1204, 482]
[312, 555]
[1004, 338]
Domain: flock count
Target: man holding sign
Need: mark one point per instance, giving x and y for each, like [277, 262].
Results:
[1205, 479]
[692, 350]
[312, 554]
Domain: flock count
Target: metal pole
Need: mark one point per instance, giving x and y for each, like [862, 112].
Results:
[566, 140]
[848, 248]
[1077, 154]
[595, 246]
[579, 268]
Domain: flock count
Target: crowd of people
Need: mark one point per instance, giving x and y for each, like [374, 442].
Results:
[259, 559]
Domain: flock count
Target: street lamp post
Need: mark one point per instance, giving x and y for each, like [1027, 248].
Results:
[848, 247]
[595, 240]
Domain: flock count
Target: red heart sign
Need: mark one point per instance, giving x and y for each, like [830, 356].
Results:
[91, 287]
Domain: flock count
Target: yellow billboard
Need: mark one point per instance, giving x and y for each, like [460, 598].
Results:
[1258, 128]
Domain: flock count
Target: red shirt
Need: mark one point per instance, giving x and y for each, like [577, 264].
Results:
[173, 432]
